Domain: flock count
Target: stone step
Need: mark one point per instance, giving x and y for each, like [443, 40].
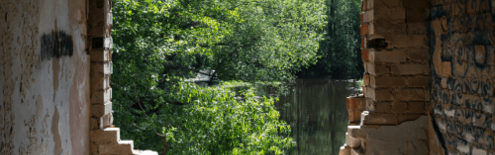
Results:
[353, 142]
[345, 150]
[355, 131]
[105, 136]
[108, 141]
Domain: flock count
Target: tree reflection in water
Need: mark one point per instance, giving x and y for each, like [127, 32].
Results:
[316, 111]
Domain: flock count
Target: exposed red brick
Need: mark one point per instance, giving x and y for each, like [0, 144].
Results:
[355, 103]
[399, 107]
[94, 123]
[363, 42]
[368, 16]
[410, 95]
[417, 14]
[371, 28]
[416, 41]
[386, 81]
[381, 95]
[418, 55]
[366, 79]
[345, 150]
[388, 3]
[377, 69]
[364, 54]
[100, 55]
[407, 69]
[418, 81]
[369, 4]
[417, 107]
[380, 119]
[416, 28]
[394, 56]
[354, 116]
[407, 117]
[364, 90]
[364, 5]
[389, 13]
[364, 29]
[387, 28]
[417, 4]
[383, 107]
[96, 30]
[427, 95]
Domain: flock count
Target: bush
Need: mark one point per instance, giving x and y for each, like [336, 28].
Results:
[209, 120]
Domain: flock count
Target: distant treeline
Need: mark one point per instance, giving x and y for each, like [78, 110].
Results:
[340, 54]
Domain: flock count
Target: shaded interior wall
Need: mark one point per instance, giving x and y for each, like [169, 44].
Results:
[44, 80]
[462, 76]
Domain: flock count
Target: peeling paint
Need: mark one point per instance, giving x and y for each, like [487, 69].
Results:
[55, 71]
[56, 135]
[7, 132]
[34, 147]
[39, 99]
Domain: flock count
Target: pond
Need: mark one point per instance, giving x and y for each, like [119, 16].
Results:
[316, 111]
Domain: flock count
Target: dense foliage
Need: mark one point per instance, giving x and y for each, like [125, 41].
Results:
[159, 43]
[249, 40]
[208, 120]
[340, 50]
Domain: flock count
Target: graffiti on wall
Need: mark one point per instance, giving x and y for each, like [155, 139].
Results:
[56, 44]
[462, 34]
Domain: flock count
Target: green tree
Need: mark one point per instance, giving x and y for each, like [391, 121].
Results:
[340, 50]
[208, 120]
[248, 40]
[158, 43]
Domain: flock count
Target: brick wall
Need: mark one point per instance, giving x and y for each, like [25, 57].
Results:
[104, 137]
[426, 57]
[395, 52]
[463, 75]
[395, 55]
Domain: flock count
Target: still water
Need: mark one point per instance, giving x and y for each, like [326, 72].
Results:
[316, 111]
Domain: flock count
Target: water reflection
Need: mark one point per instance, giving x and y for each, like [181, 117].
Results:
[317, 114]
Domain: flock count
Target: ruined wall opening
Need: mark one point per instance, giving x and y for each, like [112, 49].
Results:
[437, 68]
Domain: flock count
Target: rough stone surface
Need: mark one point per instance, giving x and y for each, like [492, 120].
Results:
[401, 139]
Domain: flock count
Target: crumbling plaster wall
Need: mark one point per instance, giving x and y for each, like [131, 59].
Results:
[44, 99]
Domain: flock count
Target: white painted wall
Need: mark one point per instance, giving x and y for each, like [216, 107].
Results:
[44, 103]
